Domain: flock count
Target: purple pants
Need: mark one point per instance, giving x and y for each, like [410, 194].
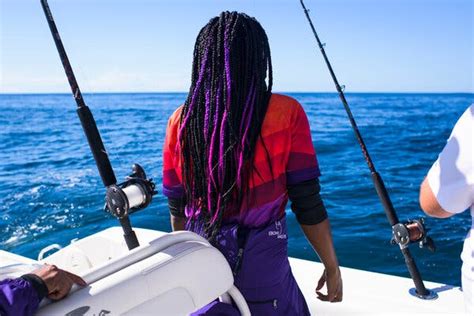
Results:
[264, 276]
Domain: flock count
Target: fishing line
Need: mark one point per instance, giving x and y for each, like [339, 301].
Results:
[403, 233]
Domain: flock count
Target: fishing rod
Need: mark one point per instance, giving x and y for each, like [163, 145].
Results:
[402, 233]
[136, 191]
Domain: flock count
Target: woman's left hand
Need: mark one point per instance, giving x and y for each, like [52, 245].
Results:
[333, 281]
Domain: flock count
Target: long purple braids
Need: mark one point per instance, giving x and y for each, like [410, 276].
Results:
[222, 117]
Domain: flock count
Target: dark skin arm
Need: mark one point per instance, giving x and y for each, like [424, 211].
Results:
[320, 238]
[58, 282]
[177, 223]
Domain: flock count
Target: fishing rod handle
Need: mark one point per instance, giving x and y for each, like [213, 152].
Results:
[96, 145]
[130, 237]
[414, 273]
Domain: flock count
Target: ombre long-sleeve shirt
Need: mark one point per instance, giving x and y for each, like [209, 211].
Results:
[286, 141]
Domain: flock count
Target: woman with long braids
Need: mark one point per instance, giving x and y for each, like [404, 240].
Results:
[234, 154]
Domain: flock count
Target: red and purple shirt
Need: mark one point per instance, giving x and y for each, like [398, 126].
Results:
[286, 140]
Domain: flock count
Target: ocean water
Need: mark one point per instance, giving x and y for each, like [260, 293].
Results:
[51, 192]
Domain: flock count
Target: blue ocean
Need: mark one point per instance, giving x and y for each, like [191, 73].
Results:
[51, 192]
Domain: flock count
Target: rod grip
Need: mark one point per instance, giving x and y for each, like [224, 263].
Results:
[414, 273]
[384, 198]
[130, 237]
[97, 146]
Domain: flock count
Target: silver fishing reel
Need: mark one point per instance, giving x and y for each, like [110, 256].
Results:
[130, 196]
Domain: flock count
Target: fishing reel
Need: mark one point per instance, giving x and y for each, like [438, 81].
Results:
[130, 196]
[412, 232]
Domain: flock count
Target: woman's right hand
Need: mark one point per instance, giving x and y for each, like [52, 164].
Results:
[333, 280]
[319, 235]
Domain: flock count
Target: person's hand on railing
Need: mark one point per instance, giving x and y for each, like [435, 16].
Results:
[57, 281]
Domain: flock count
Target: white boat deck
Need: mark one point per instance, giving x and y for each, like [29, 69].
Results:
[365, 293]
[369, 293]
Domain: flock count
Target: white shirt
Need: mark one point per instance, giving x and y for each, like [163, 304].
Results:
[451, 179]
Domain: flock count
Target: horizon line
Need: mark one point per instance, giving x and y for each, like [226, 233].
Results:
[303, 92]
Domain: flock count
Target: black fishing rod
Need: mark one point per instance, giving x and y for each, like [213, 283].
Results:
[121, 199]
[403, 233]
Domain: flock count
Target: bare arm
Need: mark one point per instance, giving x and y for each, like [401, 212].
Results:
[429, 204]
[58, 282]
[320, 238]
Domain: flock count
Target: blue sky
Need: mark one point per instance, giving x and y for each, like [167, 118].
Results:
[145, 45]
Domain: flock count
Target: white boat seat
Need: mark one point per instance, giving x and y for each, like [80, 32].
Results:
[176, 281]
[99, 255]
[172, 274]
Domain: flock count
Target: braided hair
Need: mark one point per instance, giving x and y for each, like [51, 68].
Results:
[223, 114]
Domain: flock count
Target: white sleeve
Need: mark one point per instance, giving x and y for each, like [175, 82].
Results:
[451, 177]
